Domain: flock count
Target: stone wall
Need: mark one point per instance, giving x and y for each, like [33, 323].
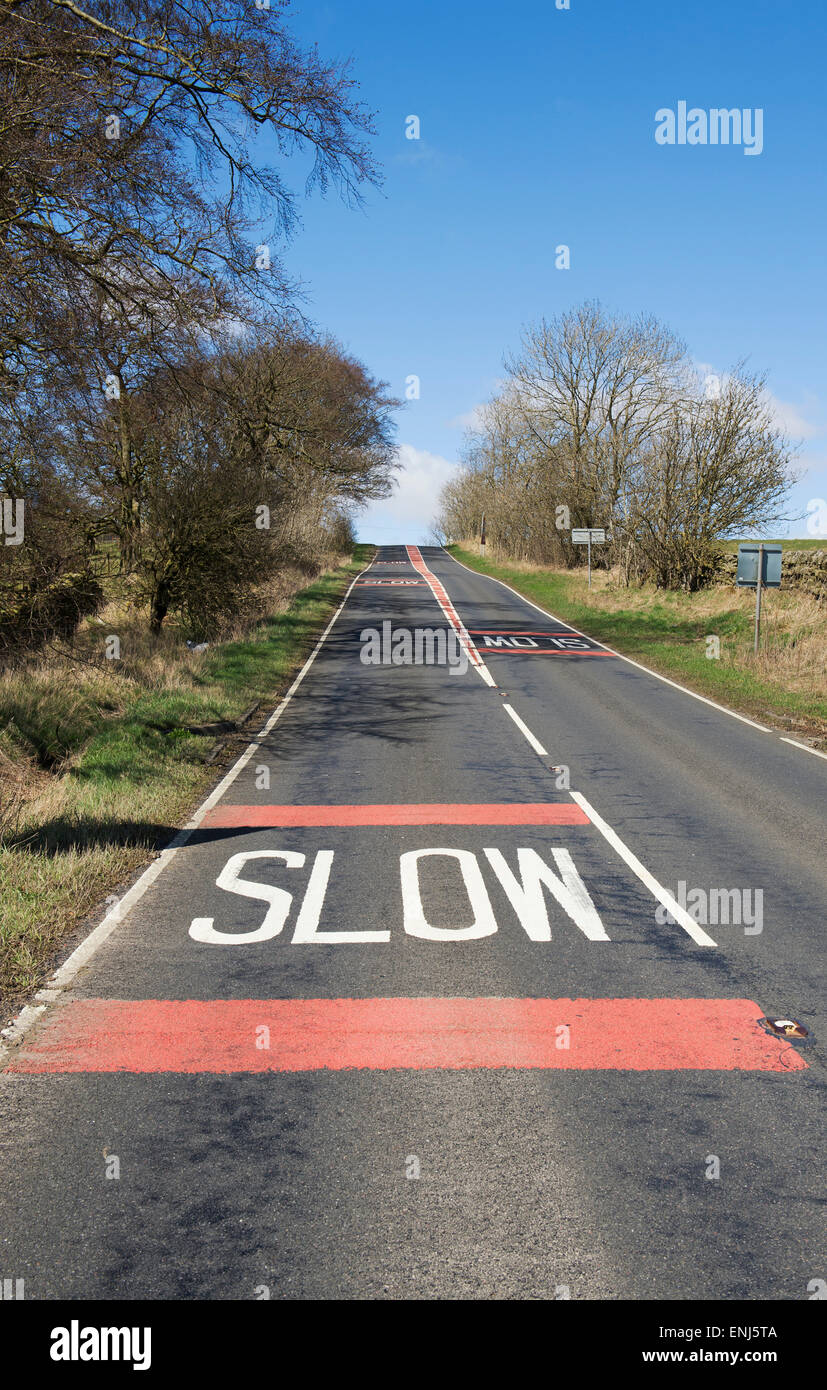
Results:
[805, 570]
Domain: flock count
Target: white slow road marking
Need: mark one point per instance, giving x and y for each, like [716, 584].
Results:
[545, 611]
[663, 896]
[805, 746]
[83, 953]
[526, 892]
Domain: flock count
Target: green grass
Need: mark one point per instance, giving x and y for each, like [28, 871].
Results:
[784, 541]
[667, 632]
[125, 773]
[130, 760]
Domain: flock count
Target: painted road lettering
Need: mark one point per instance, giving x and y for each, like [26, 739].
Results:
[548, 643]
[524, 890]
[415, 922]
[307, 927]
[202, 928]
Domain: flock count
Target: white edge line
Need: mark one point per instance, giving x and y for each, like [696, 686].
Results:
[87, 948]
[447, 605]
[695, 696]
[807, 749]
[663, 896]
[19, 1026]
[535, 743]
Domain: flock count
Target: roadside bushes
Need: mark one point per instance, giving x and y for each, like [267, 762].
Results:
[31, 615]
[245, 459]
[249, 461]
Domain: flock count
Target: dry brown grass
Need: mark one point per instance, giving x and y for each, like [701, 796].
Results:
[786, 680]
[793, 626]
[794, 642]
[163, 661]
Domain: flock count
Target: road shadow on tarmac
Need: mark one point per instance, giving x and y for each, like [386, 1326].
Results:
[400, 720]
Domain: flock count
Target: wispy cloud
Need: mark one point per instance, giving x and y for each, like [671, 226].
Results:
[409, 514]
[418, 153]
[797, 420]
[800, 421]
[471, 420]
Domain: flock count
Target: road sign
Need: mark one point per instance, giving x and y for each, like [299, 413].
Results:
[748, 559]
[758, 565]
[589, 535]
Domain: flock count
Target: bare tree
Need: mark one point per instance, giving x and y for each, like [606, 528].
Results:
[249, 459]
[718, 467]
[149, 385]
[594, 388]
[605, 420]
[130, 147]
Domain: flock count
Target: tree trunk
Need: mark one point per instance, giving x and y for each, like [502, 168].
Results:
[159, 607]
[130, 519]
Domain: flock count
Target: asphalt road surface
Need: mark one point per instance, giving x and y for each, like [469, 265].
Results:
[407, 1014]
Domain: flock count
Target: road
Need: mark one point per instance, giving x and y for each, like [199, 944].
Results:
[354, 1070]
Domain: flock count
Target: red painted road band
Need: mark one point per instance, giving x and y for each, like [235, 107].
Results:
[508, 813]
[292, 1035]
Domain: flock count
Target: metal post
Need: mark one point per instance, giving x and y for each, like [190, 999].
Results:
[482, 535]
[590, 559]
[758, 598]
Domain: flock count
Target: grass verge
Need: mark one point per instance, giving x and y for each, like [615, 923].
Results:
[102, 761]
[784, 684]
[785, 542]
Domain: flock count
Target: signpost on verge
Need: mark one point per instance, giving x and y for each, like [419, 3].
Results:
[482, 535]
[589, 535]
[758, 565]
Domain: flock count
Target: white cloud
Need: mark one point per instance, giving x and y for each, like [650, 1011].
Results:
[428, 157]
[798, 421]
[792, 419]
[471, 420]
[407, 516]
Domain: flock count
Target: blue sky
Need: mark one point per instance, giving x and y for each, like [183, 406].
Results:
[537, 128]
